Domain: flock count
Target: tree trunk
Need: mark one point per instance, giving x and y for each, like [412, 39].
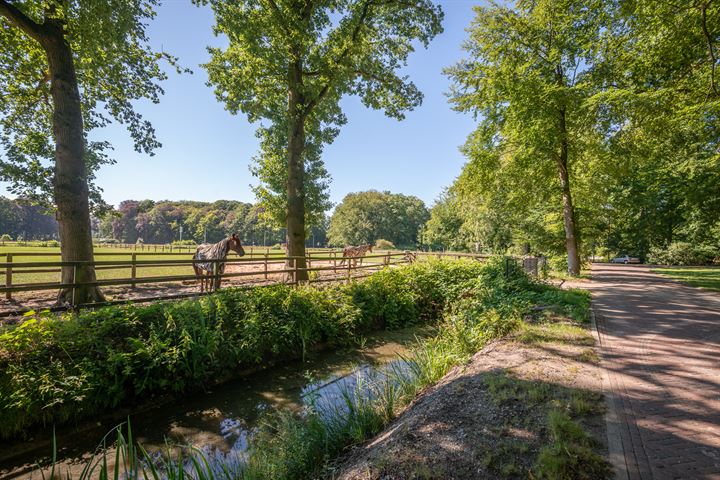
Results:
[70, 180]
[568, 210]
[296, 177]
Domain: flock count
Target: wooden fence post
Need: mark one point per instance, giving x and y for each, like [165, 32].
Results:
[266, 266]
[8, 275]
[334, 261]
[133, 272]
[74, 281]
[348, 272]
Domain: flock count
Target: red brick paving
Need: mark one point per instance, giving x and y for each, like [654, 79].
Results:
[661, 347]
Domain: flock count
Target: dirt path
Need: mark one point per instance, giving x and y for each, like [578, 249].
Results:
[484, 420]
[660, 342]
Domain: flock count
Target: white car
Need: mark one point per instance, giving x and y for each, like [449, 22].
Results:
[625, 259]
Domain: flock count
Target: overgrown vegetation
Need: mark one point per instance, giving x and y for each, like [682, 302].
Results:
[685, 253]
[592, 83]
[476, 304]
[54, 369]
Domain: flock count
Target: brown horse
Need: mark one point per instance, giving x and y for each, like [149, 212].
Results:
[355, 253]
[205, 271]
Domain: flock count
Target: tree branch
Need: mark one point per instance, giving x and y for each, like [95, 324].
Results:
[278, 14]
[326, 88]
[709, 39]
[22, 21]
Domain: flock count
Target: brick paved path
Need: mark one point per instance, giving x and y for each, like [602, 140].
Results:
[661, 348]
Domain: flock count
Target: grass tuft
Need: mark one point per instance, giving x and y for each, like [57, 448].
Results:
[570, 455]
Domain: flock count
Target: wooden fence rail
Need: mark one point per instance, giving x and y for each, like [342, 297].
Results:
[320, 262]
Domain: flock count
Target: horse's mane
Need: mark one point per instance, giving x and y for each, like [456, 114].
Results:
[214, 251]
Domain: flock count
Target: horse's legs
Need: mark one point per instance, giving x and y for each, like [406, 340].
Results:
[199, 276]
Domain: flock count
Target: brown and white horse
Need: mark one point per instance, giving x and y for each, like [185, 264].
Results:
[355, 253]
[205, 271]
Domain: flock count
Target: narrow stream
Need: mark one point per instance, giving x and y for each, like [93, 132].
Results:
[221, 419]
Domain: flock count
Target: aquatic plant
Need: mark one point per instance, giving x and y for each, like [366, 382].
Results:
[59, 368]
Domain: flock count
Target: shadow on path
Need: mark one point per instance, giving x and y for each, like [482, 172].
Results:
[661, 347]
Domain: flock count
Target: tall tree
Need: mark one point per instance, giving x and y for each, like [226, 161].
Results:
[528, 71]
[366, 217]
[659, 110]
[290, 62]
[62, 61]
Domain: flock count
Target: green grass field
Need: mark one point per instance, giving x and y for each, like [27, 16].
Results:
[703, 277]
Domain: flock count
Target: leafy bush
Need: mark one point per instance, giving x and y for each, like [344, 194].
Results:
[188, 243]
[48, 243]
[683, 253]
[54, 369]
[475, 303]
[557, 263]
[383, 244]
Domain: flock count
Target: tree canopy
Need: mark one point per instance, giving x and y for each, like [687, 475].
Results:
[365, 217]
[70, 67]
[21, 220]
[288, 64]
[636, 81]
[160, 222]
[114, 65]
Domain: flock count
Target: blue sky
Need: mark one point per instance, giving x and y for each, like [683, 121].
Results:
[206, 151]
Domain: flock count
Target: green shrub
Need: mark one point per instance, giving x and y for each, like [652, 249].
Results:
[475, 303]
[59, 368]
[383, 244]
[187, 243]
[683, 253]
[557, 263]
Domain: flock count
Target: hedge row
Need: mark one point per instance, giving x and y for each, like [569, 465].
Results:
[55, 369]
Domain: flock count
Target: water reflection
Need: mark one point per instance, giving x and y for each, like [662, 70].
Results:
[221, 420]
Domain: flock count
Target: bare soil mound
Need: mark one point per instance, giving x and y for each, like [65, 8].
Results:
[487, 419]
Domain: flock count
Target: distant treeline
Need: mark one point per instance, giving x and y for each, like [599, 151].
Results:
[22, 221]
[161, 222]
[362, 217]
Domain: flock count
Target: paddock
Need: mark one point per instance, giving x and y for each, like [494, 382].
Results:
[32, 282]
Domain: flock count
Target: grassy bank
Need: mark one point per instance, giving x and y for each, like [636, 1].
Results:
[58, 369]
[704, 277]
[475, 305]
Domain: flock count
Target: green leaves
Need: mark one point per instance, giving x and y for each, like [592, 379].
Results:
[318, 52]
[364, 217]
[114, 64]
[635, 81]
[84, 363]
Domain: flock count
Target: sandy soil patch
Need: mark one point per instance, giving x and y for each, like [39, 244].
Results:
[487, 419]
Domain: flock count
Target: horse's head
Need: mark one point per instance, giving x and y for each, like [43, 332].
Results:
[369, 247]
[235, 245]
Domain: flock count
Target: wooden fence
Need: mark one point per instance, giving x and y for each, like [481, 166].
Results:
[322, 266]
